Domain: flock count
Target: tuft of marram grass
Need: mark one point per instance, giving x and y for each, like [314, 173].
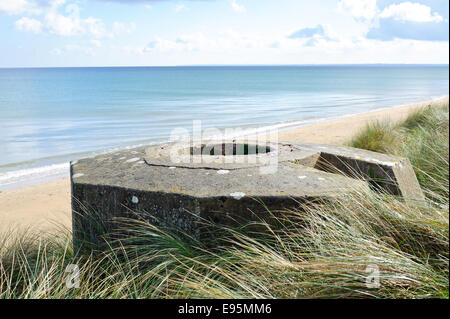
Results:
[422, 138]
[320, 251]
[377, 136]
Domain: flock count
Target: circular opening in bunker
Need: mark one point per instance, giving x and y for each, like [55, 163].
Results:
[229, 149]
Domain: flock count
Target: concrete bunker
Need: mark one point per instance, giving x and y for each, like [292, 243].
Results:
[183, 184]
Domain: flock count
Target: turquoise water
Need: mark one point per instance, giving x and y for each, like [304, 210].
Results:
[49, 116]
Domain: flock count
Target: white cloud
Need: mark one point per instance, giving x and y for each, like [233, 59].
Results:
[17, 6]
[408, 11]
[72, 9]
[95, 27]
[227, 40]
[68, 24]
[28, 25]
[62, 25]
[55, 3]
[331, 47]
[366, 9]
[235, 47]
[14, 7]
[72, 24]
[363, 50]
[237, 7]
[179, 7]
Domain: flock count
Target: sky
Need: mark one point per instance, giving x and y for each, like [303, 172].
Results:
[60, 33]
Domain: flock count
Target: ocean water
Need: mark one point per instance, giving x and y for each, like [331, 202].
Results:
[49, 116]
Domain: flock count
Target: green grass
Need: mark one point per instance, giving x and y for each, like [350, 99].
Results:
[377, 136]
[320, 251]
[422, 138]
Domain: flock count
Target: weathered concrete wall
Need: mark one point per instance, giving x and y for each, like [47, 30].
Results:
[392, 175]
[144, 180]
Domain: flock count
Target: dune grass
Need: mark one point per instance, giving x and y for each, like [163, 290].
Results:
[422, 138]
[360, 245]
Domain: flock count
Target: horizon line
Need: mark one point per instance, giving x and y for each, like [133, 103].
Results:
[228, 65]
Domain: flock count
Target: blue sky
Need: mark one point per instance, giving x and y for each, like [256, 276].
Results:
[40, 33]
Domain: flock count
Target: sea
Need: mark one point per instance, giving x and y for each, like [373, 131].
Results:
[49, 116]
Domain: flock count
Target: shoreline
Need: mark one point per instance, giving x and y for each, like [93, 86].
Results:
[46, 206]
[342, 117]
[342, 130]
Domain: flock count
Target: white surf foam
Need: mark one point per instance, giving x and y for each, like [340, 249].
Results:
[35, 175]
